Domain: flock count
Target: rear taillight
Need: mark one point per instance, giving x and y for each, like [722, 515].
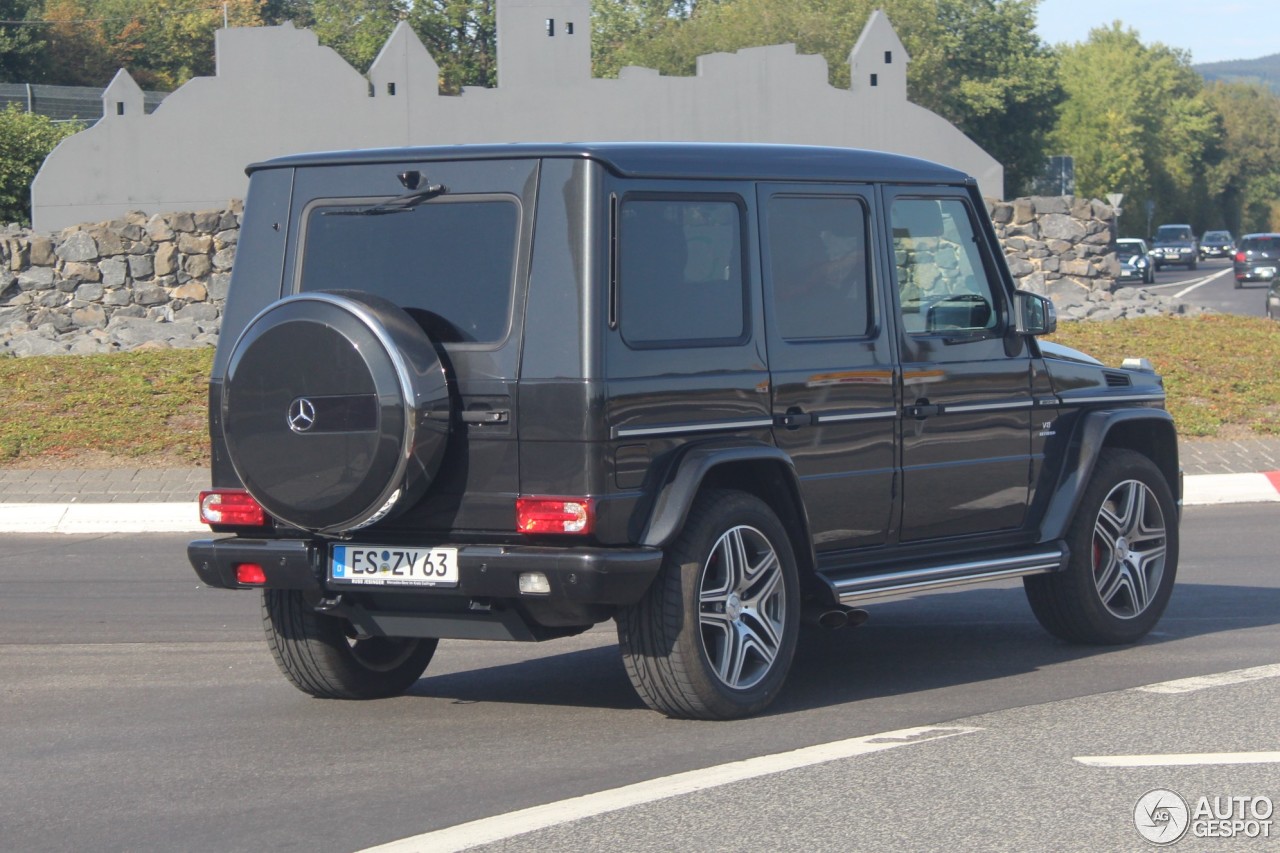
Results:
[233, 507]
[554, 515]
[1240, 257]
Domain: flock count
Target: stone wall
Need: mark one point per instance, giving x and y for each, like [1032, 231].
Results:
[139, 281]
[160, 281]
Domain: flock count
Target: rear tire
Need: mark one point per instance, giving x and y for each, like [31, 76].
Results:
[321, 655]
[1124, 557]
[714, 635]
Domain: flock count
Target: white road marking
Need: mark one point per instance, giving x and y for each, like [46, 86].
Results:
[1204, 489]
[1202, 282]
[170, 517]
[500, 827]
[1218, 679]
[1179, 760]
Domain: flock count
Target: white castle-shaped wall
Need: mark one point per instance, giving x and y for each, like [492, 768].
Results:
[277, 91]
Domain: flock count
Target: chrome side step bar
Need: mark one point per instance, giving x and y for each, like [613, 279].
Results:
[868, 587]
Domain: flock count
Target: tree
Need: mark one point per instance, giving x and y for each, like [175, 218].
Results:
[25, 140]
[462, 37]
[20, 42]
[162, 43]
[1136, 121]
[977, 63]
[356, 29]
[1246, 182]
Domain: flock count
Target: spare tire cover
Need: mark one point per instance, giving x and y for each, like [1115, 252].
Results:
[335, 408]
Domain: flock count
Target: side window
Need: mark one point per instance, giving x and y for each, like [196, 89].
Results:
[680, 279]
[818, 266]
[942, 283]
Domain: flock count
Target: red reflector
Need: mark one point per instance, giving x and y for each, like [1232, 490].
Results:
[554, 515]
[231, 506]
[250, 573]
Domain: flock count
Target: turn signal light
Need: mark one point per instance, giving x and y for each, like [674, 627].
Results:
[250, 573]
[232, 507]
[554, 515]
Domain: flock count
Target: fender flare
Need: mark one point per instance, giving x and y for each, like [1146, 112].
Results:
[1082, 456]
[676, 493]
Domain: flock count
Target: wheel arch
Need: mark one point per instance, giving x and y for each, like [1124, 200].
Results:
[755, 468]
[1150, 432]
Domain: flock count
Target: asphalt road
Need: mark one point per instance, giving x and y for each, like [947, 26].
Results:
[1212, 285]
[141, 711]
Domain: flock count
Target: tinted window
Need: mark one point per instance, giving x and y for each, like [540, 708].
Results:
[1261, 244]
[1170, 232]
[1218, 235]
[680, 272]
[449, 262]
[818, 266]
[942, 283]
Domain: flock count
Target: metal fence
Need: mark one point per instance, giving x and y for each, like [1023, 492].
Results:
[65, 103]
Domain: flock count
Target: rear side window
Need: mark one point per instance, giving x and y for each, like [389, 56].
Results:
[449, 262]
[679, 272]
[819, 268]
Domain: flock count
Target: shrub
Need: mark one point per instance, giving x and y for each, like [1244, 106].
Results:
[25, 140]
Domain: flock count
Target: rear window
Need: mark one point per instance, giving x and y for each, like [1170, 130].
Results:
[1261, 244]
[449, 262]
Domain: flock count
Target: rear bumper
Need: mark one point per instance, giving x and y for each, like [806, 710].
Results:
[581, 575]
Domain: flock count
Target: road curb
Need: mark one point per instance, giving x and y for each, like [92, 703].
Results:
[1199, 490]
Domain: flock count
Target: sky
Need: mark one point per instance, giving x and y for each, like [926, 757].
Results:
[1213, 30]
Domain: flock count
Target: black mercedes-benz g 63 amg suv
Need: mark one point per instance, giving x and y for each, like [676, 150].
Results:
[708, 391]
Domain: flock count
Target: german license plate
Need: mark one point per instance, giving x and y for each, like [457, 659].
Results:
[394, 565]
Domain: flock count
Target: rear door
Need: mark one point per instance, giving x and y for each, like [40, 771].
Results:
[830, 359]
[457, 263]
[966, 376]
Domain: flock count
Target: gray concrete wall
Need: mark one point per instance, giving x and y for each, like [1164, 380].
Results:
[277, 91]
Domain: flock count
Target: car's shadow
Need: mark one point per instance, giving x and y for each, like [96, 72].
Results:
[928, 643]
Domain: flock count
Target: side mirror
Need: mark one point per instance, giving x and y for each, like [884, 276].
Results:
[1036, 314]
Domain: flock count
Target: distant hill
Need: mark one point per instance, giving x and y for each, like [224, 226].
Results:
[1265, 70]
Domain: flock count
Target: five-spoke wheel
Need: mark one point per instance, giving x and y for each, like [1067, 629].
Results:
[714, 635]
[1123, 546]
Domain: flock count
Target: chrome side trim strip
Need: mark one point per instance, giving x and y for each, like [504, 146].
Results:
[941, 577]
[877, 415]
[986, 407]
[680, 429]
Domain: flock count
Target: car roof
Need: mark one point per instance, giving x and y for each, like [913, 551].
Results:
[750, 161]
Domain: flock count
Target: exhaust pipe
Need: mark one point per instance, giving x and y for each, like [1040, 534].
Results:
[832, 617]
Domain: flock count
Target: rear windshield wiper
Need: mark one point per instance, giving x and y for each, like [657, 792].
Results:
[399, 204]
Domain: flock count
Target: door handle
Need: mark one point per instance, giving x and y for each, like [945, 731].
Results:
[796, 418]
[485, 416]
[922, 409]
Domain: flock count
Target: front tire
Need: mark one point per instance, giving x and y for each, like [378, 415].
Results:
[714, 636]
[1124, 557]
[323, 657]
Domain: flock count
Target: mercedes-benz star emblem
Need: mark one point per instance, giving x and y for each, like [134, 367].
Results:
[302, 414]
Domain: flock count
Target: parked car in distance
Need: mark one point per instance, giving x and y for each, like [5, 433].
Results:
[1257, 258]
[1217, 244]
[1135, 260]
[1175, 244]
